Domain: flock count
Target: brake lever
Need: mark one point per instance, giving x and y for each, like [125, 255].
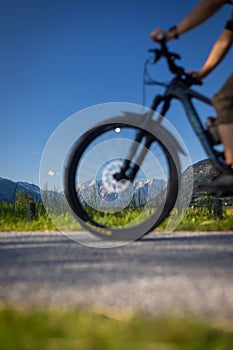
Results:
[158, 54]
[191, 80]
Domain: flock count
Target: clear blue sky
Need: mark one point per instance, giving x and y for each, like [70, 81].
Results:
[60, 56]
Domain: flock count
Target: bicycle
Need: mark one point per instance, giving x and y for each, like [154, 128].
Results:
[127, 199]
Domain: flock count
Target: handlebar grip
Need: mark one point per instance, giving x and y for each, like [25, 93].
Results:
[191, 80]
[198, 82]
[160, 37]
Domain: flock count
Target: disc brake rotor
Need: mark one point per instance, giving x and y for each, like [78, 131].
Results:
[109, 181]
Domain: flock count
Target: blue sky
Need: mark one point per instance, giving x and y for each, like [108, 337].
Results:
[60, 56]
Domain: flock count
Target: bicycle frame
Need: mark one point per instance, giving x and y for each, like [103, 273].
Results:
[178, 90]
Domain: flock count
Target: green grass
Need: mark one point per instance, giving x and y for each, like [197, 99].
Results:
[88, 330]
[191, 222]
[13, 217]
[202, 219]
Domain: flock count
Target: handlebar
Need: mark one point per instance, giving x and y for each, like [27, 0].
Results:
[171, 57]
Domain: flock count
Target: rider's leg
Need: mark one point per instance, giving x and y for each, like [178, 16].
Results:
[226, 135]
[223, 103]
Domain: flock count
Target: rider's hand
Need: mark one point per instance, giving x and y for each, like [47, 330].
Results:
[168, 35]
[196, 75]
[156, 33]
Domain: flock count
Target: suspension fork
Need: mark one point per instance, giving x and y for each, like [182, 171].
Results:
[130, 168]
[135, 157]
[166, 100]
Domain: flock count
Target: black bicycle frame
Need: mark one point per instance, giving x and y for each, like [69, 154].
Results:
[178, 90]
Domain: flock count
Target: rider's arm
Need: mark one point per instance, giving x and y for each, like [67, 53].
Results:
[218, 52]
[200, 13]
[204, 10]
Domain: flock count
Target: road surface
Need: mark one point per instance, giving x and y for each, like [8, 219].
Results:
[178, 273]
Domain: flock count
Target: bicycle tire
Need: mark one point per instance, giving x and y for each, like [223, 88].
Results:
[105, 231]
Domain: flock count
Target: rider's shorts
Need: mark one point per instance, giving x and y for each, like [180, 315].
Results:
[223, 102]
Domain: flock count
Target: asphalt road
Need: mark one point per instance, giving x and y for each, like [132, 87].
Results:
[178, 273]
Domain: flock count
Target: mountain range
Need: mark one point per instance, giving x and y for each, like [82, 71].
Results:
[9, 190]
[202, 171]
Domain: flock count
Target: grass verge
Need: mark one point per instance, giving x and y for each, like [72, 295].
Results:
[191, 222]
[13, 217]
[87, 330]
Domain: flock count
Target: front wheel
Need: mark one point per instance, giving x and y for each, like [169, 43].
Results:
[113, 205]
